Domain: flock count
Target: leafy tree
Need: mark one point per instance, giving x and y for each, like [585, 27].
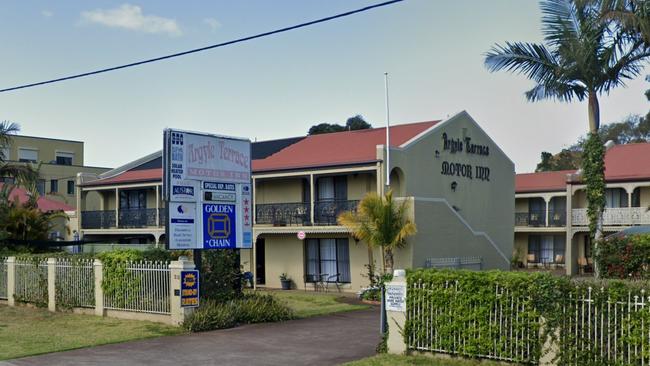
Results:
[24, 221]
[353, 123]
[23, 172]
[382, 223]
[583, 56]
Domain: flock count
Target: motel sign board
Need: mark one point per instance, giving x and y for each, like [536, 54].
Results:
[207, 186]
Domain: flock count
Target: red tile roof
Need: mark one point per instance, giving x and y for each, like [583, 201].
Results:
[340, 148]
[130, 176]
[542, 181]
[45, 204]
[627, 162]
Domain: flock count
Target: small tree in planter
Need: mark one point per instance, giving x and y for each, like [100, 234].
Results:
[286, 281]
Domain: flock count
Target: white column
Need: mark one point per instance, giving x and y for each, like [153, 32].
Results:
[312, 201]
[117, 206]
[98, 269]
[157, 209]
[629, 198]
[178, 313]
[254, 213]
[51, 284]
[11, 281]
[570, 260]
[396, 320]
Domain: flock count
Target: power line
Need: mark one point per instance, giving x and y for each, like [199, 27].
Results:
[195, 50]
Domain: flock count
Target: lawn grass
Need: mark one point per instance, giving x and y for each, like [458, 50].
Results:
[29, 331]
[307, 304]
[395, 360]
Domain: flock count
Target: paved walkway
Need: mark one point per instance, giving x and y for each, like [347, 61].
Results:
[326, 340]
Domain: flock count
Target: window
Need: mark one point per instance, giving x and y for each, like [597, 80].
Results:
[636, 197]
[54, 186]
[133, 199]
[615, 197]
[40, 186]
[6, 155]
[326, 258]
[27, 155]
[546, 248]
[64, 158]
[70, 187]
[333, 188]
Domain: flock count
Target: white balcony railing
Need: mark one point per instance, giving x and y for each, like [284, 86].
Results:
[614, 216]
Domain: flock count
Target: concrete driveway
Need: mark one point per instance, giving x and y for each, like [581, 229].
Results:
[326, 340]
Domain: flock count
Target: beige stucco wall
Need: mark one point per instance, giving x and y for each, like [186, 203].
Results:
[287, 190]
[360, 184]
[521, 205]
[521, 246]
[46, 148]
[645, 196]
[579, 199]
[483, 206]
[285, 254]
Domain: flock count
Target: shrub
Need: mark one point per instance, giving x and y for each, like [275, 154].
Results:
[220, 275]
[624, 257]
[248, 309]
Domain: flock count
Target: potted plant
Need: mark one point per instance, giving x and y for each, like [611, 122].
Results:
[286, 281]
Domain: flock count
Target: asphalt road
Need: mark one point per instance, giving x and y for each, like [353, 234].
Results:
[326, 340]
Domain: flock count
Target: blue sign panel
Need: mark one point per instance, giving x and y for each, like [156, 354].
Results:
[189, 288]
[219, 226]
[183, 191]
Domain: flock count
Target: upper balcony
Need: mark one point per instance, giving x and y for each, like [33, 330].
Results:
[538, 218]
[126, 219]
[617, 216]
[299, 214]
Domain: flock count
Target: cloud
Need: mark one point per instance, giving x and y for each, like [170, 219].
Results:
[212, 23]
[130, 17]
[47, 13]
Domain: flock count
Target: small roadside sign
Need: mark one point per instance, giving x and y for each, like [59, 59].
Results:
[301, 235]
[190, 289]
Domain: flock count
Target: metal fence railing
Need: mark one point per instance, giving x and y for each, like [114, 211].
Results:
[141, 287]
[472, 263]
[3, 278]
[610, 332]
[75, 283]
[31, 280]
[510, 336]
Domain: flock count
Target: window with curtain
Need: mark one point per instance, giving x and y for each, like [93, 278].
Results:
[546, 248]
[327, 257]
[326, 188]
[546, 255]
[615, 197]
[133, 199]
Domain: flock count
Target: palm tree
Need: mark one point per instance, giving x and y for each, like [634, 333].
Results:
[632, 15]
[583, 56]
[382, 223]
[24, 173]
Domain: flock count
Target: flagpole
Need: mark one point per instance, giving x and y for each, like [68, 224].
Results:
[387, 166]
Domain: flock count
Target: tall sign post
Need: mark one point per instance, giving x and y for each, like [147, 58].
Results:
[207, 189]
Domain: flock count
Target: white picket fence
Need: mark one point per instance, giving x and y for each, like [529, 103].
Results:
[601, 330]
[62, 283]
[146, 289]
[3, 278]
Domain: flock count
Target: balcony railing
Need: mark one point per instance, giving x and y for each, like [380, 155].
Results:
[622, 216]
[128, 218]
[98, 219]
[326, 212]
[556, 218]
[531, 218]
[283, 214]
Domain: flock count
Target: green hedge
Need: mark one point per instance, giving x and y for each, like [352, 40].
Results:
[509, 316]
[626, 257]
[248, 309]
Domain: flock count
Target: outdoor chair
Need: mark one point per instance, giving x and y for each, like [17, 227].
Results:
[335, 279]
[583, 265]
[315, 280]
[530, 260]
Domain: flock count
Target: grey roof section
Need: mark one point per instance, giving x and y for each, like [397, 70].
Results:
[263, 149]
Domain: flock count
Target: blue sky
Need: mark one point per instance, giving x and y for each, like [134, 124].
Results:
[277, 86]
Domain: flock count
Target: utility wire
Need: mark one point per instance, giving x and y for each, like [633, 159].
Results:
[195, 50]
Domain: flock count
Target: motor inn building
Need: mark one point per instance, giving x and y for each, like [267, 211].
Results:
[458, 183]
[551, 224]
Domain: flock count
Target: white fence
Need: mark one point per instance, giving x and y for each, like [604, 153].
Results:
[595, 329]
[31, 280]
[146, 289]
[472, 263]
[75, 283]
[3, 278]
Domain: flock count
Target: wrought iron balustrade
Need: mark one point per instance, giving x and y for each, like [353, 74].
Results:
[137, 217]
[162, 216]
[556, 218]
[614, 216]
[97, 219]
[326, 212]
[530, 218]
[283, 214]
